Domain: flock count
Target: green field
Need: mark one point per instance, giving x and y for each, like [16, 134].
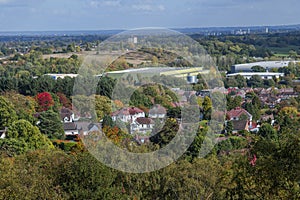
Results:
[283, 51]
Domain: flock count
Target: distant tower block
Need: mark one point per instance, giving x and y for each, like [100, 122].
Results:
[135, 40]
[249, 31]
[267, 30]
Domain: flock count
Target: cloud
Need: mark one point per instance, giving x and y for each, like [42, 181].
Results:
[148, 7]
[101, 3]
[112, 3]
[19, 3]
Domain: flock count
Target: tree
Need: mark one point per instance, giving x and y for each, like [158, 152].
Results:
[268, 132]
[24, 106]
[255, 81]
[229, 127]
[7, 113]
[50, 124]
[107, 121]
[194, 149]
[166, 134]
[28, 136]
[87, 178]
[106, 86]
[241, 81]
[45, 83]
[102, 106]
[233, 102]
[45, 101]
[258, 68]
[64, 100]
[33, 175]
[207, 108]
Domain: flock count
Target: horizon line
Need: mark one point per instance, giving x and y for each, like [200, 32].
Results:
[173, 28]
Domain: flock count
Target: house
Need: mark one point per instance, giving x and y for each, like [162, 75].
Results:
[240, 125]
[142, 125]
[67, 115]
[70, 128]
[128, 115]
[84, 128]
[238, 113]
[157, 112]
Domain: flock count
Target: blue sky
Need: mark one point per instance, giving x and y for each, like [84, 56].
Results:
[42, 15]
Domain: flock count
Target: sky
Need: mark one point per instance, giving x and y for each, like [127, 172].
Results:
[62, 15]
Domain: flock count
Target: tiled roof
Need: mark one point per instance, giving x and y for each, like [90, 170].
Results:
[144, 120]
[135, 110]
[237, 112]
[239, 125]
[127, 111]
[70, 126]
[65, 112]
[123, 111]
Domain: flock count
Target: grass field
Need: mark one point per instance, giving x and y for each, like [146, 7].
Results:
[283, 51]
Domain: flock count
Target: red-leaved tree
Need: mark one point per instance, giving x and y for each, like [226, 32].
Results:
[45, 101]
[64, 100]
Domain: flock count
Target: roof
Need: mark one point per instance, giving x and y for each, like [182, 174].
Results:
[123, 111]
[256, 73]
[65, 112]
[70, 126]
[128, 111]
[144, 120]
[264, 64]
[237, 112]
[239, 125]
[135, 110]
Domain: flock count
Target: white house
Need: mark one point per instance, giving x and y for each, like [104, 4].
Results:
[142, 125]
[70, 128]
[67, 115]
[128, 115]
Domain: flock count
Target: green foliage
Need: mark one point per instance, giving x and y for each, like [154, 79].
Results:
[258, 68]
[229, 127]
[32, 176]
[207, 108]
[105, 86]
[231, 143]
[50, 124]
[102, 106]
[255, 81]
[7, 113]
[86, 178]
[194, 149]
[233, 102]
[254, 106]
[139, 99]
[107, 121]
[23, 136]
[166, 134]
[23, 105]
[268, 132]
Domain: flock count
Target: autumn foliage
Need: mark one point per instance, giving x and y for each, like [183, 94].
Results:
[64, 100]
[45, 101]
[113, 133]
